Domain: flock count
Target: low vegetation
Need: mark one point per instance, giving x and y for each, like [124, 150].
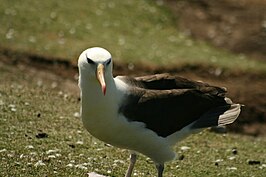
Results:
[42, 135]
[134, 31]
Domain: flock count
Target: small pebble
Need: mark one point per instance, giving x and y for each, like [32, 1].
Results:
[181, 157]
[93, 174]
[27, 104]
[231, 168]
[41, 135]
[72, 145]
[254, 162]
[219, 160]
[54, 84]
[39, 163]
[1, 103]
[13, 109]
[29, 147]
[262, 166]
[70, 165]
[234, 151]
[109, 171]
[216, 162]
[184, 148]
[231, 158]
[76, 114]
[3, 150]
[52, 151]
[79, 142]
[51, 156]
[80, 166]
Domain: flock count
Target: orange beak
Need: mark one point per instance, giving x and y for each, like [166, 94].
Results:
[100, 77]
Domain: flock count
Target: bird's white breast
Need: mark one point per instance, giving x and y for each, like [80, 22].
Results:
[101, 118]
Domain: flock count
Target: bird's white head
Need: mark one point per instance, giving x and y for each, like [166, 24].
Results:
[96, 64]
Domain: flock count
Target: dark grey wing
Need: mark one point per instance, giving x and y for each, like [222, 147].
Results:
[169, 82]
[168, 111]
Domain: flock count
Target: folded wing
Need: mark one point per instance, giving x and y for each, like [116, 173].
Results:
[166, 103]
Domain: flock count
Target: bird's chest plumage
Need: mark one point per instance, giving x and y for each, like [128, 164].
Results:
[99, 115]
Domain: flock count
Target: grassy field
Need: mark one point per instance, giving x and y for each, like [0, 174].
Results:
[42, 135]
[132, 30]
[40, 130]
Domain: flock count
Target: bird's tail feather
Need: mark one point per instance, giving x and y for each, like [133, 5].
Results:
[219, 116]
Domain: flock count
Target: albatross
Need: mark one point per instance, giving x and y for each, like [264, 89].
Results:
[147, 114]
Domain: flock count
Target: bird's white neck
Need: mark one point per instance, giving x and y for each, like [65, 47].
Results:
[95, 105]
[91, 90]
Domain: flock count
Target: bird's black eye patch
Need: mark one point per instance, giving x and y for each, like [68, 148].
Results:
[90, 60]
[109, 61]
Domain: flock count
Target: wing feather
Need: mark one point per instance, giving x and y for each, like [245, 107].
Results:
[167, 104]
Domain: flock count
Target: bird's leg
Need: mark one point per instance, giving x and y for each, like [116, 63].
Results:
[133, 158]
[160, 168]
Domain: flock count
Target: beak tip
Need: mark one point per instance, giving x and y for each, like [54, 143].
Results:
[100, 77]
[104, 90]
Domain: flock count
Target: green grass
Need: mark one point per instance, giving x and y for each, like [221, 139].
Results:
[34, 102]
[133, 31]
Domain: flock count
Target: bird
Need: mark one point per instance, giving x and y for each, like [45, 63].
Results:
[146, 114]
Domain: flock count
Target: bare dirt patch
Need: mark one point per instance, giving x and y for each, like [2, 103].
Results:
[244, 88]
[237, 25]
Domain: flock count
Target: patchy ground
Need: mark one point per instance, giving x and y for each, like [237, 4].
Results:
[244, 88]
[237, 25]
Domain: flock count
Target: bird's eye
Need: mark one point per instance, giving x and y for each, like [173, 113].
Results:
[90, 61]
[108, 62]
